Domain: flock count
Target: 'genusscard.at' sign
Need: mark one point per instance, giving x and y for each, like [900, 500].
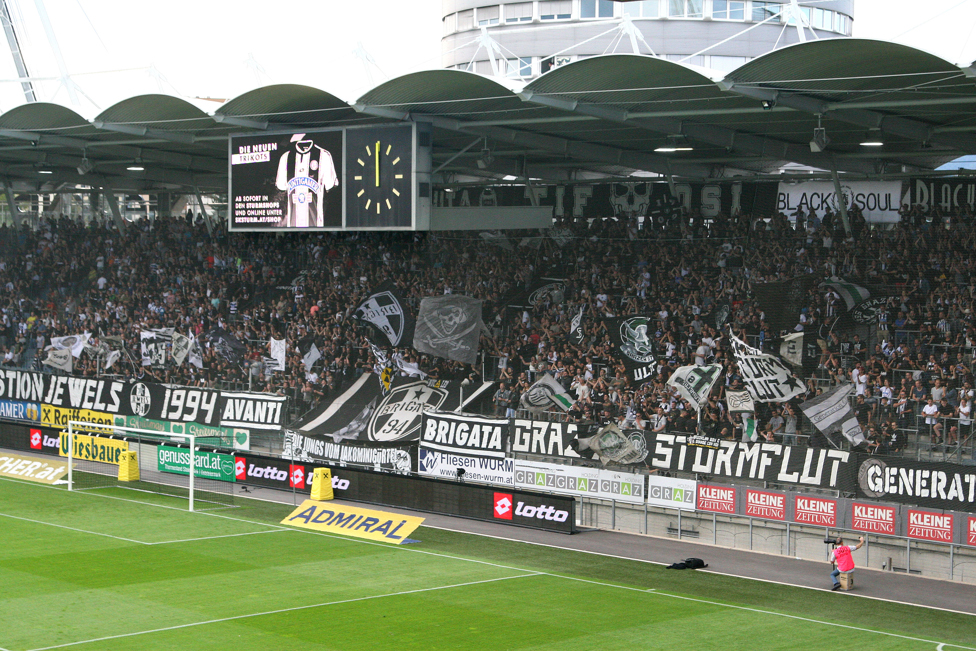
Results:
[926, 525]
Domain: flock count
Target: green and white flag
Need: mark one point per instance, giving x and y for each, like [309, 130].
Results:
[545, 393]
[694, 383]
[851, 293]
[749, 430]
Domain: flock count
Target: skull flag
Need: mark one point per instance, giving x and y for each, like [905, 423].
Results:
[449, 326]
[632, 338]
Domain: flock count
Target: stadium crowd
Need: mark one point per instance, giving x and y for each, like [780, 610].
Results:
[692, 277]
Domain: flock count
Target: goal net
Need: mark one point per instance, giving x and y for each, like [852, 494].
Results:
[162, 467]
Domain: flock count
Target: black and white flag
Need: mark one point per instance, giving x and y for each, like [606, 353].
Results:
[59, 358]
[181, 347]
[311, 356]
[740, 402]
[276, 359]
[610, 443]
[449, 326]
[632, 339]
[831, 413]
[576, 334]
[388, 313]
[75, 343]
[766, 376]
[154, 343]
[694, 383]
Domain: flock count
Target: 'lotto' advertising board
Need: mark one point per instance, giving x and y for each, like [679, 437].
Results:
[815, 510]
[719, 499]
[761, 504]
[873, 519]
[926, 525]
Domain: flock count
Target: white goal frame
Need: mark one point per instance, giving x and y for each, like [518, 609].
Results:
[95, 428]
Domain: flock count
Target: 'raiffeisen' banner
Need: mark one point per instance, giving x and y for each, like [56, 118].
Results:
[209, 465]
[94, 448]
[59, 417]
[354, 521]
[878, 201]
[31, 469]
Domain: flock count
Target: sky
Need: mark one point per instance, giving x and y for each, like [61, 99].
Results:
[217, 49]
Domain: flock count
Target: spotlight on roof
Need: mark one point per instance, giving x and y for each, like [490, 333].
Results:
[873, 139]
[45, 172]
[85, 166]
[768, 104]
[820, 139]
[135, 168]
[674, 143]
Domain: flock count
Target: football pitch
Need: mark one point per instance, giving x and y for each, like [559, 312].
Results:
[113, 569]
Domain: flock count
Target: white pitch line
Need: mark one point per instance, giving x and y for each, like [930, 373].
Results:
[285, 610]
[229, 535]
[61, 526]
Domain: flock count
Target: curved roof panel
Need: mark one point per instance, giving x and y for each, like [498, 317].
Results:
[445, 92]
[848, 65]
[41, 115]
[288, 103]
[626, 79]
[160, 111]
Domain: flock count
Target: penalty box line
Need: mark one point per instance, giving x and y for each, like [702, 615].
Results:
[139, 542]
[285, 610]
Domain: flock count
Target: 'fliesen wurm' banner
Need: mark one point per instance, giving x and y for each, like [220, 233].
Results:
[465, 447]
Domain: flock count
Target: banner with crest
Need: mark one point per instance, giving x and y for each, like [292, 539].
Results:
[632, 340]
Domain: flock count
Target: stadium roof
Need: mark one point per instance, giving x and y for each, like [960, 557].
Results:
[595, 118]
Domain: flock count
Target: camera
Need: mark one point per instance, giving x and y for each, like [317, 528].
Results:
[832, 541]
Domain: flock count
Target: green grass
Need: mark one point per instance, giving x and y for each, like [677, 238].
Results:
[120, 574]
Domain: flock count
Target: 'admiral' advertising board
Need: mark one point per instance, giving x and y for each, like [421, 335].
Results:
[926, 525]
[871, 518]
[579, 481]
[354, 521]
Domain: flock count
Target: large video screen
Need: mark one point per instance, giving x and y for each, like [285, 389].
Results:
[327, 179]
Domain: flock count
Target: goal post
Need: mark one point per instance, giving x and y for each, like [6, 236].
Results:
[167, 464]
